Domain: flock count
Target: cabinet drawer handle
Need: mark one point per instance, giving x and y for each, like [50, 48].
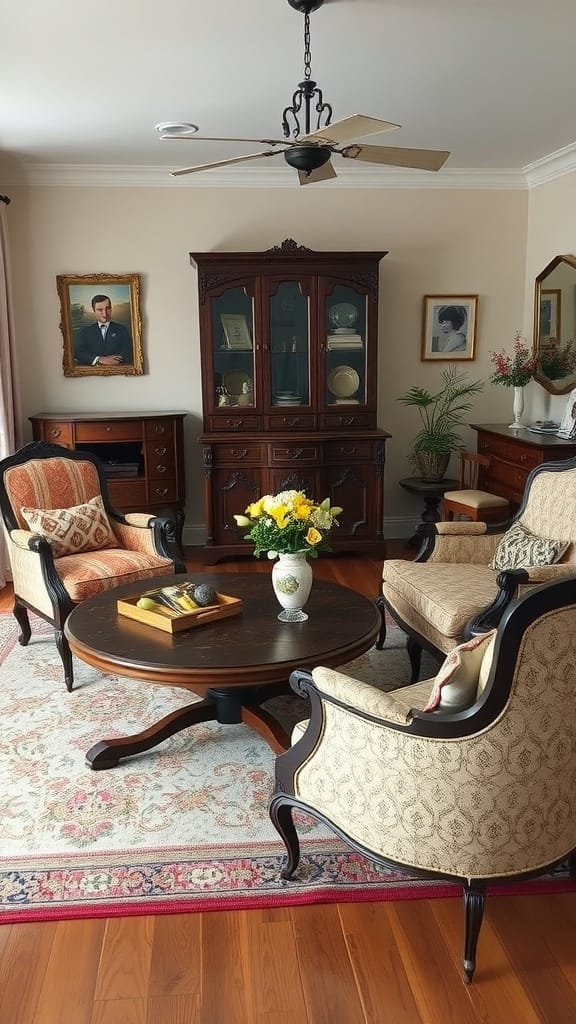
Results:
[234, 423]
[160, 451]
[346, 451]
[523, 458]
[347, 421]
[108, 430]
[238, 453]
[55, 432]
[160, 429]
[160, 469]
[291, 421]
[161, 492]
[294, 453]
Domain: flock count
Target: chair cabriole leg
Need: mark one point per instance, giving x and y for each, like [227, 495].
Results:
[474, 896]
[382, 634]
[66, 656]
[415, 654]
[281, 817]
[21, 616]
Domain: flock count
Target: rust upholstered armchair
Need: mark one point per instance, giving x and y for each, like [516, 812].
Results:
[450, 591]
[480, 795]
[47, 491]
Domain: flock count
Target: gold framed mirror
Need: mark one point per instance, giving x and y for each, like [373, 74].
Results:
[555, 325]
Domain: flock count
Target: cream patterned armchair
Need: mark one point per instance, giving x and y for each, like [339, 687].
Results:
[479, 795]
[66, 542]
[450, 591]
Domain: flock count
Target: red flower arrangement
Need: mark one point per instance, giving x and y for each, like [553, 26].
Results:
[516, 370]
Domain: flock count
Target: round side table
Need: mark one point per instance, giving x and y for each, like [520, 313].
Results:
[432, 493]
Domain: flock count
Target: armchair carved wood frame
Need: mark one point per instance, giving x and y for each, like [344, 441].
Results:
[448, 593]
[51, 587]
[478, 796]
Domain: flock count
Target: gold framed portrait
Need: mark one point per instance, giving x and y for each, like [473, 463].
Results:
[101, 324]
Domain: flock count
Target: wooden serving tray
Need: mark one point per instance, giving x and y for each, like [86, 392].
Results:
[175, 622]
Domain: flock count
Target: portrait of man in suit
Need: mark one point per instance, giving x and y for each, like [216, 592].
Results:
[105, 342]
[101, 324]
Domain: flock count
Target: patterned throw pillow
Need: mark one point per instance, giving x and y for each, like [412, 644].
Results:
[456, 684]
[519, 548]
[73, 530]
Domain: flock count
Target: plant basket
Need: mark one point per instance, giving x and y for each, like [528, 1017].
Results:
[432, 466]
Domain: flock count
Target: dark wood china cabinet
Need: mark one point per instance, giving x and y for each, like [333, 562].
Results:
[289, 347]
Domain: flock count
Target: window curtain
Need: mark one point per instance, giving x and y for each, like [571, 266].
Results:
[10, 419]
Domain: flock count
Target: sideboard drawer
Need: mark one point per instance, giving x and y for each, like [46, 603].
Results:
[54, 432]
[234, 421]
[333, 421]
[159, 428]
[162, 490]
[248, 454]
[291, 421]
[111, 430]
[160, 460]
[287, 454]
[348, 451]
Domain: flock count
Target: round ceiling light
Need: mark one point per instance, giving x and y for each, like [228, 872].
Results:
[177, 128]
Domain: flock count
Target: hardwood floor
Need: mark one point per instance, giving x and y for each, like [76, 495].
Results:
[382, 963]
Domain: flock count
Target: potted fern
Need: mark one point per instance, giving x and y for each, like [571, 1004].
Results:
[441, 413]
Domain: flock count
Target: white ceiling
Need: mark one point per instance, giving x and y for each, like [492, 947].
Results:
[80, 84]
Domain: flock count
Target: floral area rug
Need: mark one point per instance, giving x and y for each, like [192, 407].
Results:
[183, 827]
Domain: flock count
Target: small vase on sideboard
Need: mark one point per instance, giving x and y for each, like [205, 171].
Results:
[518, 408]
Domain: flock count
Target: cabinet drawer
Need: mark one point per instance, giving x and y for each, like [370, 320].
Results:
[159, 459]
[162, 491]
[55, 432]
[232, 421]
[162, 427]
[522, 455]
[128, 494]
[291, 421]
[347, 419]
[246, 454]
[306, 454]
[121, 430]
[507, 480]
[346, 451]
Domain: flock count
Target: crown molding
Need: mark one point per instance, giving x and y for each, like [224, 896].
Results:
[555, 165]
[129, 176]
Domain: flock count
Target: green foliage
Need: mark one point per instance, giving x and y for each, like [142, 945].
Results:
[441, 413]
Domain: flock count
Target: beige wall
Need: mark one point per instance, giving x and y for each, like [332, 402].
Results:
[551, 232]
[439, 241]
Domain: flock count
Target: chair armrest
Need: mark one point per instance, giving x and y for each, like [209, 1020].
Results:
[139, 531]
[466, 529]
[546, 573]
[26, 539]
[359, 696]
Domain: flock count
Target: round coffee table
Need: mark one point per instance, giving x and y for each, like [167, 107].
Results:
[235, 664]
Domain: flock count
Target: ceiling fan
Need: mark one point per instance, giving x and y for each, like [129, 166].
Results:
[311, 153]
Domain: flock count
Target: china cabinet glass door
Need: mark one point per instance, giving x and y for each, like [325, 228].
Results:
[345, 346]
[289, 345]
[234, 367]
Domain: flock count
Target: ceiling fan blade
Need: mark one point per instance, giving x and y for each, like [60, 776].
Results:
[222, 163]
[419, 159]
[353, 127]
[323, 173]
[212, 138]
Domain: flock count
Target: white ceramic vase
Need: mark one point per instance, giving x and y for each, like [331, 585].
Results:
[292, 581]
[518, 408]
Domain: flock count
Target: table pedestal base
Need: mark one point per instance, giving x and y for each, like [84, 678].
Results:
[229, 706]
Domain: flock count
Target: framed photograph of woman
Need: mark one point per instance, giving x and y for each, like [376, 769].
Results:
[449, 327]
[101, 324]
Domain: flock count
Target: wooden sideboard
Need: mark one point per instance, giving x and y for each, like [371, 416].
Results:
[143, 452]
[513, 453]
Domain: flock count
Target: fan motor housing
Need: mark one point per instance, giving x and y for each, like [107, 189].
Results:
[307, 158]
[305, 6]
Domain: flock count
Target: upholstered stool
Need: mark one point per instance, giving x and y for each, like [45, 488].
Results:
[469, 500]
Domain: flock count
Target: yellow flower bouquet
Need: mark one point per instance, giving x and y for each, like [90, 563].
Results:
[289, 523]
